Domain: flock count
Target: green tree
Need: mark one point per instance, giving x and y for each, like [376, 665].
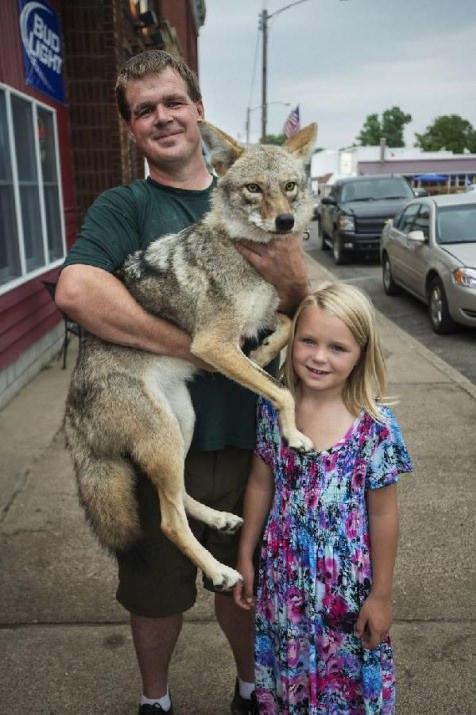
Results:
[390, 126]
[393, 124]
[278, 139]
[449, 131]
[371, 131]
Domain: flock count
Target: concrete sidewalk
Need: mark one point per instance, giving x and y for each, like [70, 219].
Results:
[64, 642]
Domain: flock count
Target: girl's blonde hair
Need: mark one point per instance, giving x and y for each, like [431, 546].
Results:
[366, 385]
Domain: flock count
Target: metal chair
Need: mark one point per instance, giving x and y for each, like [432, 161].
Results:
[70, 326]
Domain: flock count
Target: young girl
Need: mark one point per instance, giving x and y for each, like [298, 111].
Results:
[323, 606]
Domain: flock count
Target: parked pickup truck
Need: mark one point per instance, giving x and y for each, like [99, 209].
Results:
[353, 215]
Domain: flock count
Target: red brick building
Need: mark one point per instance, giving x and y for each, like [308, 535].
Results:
[62, 143]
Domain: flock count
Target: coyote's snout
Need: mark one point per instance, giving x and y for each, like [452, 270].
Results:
[127, 407]
[284, 223]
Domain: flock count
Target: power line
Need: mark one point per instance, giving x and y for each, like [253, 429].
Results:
[255, 64]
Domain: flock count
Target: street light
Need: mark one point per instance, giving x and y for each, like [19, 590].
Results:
[264, 17]
[259, 106]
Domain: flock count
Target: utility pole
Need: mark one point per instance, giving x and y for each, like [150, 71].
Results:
[263, 26]
[264, 82]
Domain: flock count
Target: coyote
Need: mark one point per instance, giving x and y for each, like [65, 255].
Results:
[127, 406]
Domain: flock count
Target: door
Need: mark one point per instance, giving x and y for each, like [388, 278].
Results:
[398, 245]
[418, 253]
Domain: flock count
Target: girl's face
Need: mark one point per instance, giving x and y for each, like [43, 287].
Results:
[324, 351]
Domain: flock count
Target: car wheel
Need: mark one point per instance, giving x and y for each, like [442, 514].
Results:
[389, 285]
[440, 318]
[340, 257]
[321, 239]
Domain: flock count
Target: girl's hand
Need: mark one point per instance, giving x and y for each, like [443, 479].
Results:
[243, 591]
[374, 621]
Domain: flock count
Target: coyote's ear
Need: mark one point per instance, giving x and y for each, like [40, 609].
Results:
[302, 143]
[224, 150]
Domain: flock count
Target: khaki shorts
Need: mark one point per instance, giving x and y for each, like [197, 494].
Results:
[155, 578]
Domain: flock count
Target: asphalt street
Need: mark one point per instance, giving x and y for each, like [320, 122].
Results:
[458, 349]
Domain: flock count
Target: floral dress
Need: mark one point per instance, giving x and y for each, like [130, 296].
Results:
[315, 572]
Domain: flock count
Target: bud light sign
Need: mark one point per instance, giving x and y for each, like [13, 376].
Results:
[42, 48]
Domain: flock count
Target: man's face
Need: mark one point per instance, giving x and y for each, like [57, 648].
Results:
[164, 119]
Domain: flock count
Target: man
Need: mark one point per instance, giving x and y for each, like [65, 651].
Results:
[159, 99]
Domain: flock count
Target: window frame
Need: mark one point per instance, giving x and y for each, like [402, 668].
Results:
[416, 227]
[403, 214]
[48, 266]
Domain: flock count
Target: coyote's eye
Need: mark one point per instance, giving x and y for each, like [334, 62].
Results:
[253, 188]
[290, 186]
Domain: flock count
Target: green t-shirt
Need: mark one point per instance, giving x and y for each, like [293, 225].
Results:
[127, 218]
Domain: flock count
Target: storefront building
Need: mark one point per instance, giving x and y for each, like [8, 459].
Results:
[62, 143]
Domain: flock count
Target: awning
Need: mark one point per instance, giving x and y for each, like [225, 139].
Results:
[429, 178]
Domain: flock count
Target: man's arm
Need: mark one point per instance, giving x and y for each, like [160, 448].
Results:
[281, 263]
[97, 300]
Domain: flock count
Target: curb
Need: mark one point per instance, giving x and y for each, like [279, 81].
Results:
[318, 273]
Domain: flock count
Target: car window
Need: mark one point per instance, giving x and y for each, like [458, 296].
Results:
[407, 218]
[376, 189]
[456, 224]
[422, 221]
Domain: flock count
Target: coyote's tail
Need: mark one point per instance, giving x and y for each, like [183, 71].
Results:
[106, 488]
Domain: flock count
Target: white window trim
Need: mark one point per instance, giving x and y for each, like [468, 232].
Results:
[26, 277]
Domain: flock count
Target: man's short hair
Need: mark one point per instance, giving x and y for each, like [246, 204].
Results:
[153, 62]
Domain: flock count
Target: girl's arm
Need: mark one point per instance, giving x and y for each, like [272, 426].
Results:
[258, 499]
[375, 616]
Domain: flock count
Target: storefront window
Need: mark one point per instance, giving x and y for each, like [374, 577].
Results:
[10, 266]
[32, 236]
[28, 183]
[49, 173]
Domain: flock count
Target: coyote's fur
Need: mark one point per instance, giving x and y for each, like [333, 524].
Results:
[129, 407]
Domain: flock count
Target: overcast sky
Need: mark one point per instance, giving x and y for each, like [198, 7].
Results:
[339, 60]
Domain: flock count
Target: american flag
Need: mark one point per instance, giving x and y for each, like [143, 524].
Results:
[292, 124]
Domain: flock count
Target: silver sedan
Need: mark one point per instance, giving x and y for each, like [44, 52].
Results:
[429, 250]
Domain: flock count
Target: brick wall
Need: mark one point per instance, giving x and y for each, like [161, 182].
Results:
[179, 15]
[99, 37]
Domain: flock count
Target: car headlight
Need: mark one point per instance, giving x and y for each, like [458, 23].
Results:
[465, 277]
[346, 223]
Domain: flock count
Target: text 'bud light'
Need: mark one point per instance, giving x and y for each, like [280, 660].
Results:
[42, 47]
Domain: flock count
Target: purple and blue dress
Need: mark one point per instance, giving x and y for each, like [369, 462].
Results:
[315, 572]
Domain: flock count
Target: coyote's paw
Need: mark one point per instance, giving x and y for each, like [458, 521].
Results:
[262, 355]
[227, 523]
[226, 578]
[297, 440]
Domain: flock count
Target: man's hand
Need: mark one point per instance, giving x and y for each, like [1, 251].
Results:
[281, 263]
[374, 621]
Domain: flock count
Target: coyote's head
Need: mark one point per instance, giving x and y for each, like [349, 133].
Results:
[261, 191]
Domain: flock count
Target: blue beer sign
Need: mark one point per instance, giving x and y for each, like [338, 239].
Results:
[42, 48]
